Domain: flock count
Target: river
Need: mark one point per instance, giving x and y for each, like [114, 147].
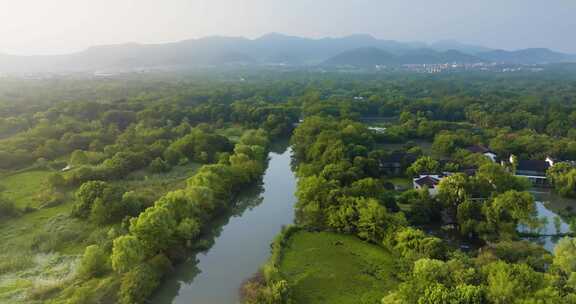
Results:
[240, 244]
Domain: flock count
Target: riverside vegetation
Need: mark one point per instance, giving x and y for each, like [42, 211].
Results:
[109, 184]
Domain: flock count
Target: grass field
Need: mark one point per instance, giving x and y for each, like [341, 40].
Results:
[39, 250]
[21, 188]
[24, 268]
[337, 269]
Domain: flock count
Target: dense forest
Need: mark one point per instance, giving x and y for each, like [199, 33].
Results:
[108, 185]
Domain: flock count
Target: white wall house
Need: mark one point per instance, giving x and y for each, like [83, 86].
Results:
[427, 181]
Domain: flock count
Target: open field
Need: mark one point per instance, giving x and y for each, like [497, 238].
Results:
[39, 250]
[21, 188]
[337, 269]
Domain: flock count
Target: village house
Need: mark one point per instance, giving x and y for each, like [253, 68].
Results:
[534, 170]
[380, 130]
[428, 181]
[484, 151]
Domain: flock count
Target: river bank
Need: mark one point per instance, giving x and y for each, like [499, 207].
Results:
[240, 242]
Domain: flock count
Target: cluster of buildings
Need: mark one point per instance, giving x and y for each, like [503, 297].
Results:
[533, 170]
[433, 68]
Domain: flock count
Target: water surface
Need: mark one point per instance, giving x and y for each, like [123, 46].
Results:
[546, 205]
[240, 245]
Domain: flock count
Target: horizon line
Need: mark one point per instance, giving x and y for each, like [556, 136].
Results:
[11, 52]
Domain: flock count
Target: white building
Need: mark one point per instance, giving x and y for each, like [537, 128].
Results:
[428, 181]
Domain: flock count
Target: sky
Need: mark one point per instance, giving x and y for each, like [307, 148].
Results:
[61, 26]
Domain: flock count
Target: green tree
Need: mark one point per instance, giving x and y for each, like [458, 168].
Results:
[507, 283]
[508, 209]
[7, 208]
[414, 244]
[453, 191]
[314, 194]
[423, 165]
[78, 158]
[563, 178]
[565, 255]
[94, 262]
[435, 294]
[155, 227]
[87, 195]
[188, 229]
[127, 252]
[375, 222]
[468, 294]
[139, 283]
[499, 180]
[158, 165]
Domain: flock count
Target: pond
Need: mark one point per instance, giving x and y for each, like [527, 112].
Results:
[241, 243]
[548, 206]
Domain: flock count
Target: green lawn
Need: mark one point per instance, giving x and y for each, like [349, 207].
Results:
[21, 188]
[333, 268]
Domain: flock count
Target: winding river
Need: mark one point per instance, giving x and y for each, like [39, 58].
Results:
[240, 243]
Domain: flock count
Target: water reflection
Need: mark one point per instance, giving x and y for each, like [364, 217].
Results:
[548, 206]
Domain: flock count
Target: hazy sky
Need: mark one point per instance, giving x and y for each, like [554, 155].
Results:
[57, 26]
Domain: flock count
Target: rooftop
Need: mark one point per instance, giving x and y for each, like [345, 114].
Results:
[533, 165]
[479, 149]
[429, 181]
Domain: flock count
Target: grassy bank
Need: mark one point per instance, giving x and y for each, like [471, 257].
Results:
[324, 267]
[21, 188]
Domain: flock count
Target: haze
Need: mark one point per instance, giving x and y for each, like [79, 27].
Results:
[63, 26]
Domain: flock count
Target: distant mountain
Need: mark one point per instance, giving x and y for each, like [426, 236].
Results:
[526, 56]
[425, 56]
[446, 45]
[374, 56]
[363, 57]
[270, 49]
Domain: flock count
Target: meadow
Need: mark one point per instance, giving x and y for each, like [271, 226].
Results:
[21, 188]
[324, 267]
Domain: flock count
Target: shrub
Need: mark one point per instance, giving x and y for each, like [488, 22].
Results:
[159, 165]
[138, 284]
[94, 262]
[7, 208]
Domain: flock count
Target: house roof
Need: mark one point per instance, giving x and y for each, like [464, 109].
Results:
[533, 165]
[479, 149]
[427, 180]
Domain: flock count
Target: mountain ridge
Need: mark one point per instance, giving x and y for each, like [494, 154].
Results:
[272, 48]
